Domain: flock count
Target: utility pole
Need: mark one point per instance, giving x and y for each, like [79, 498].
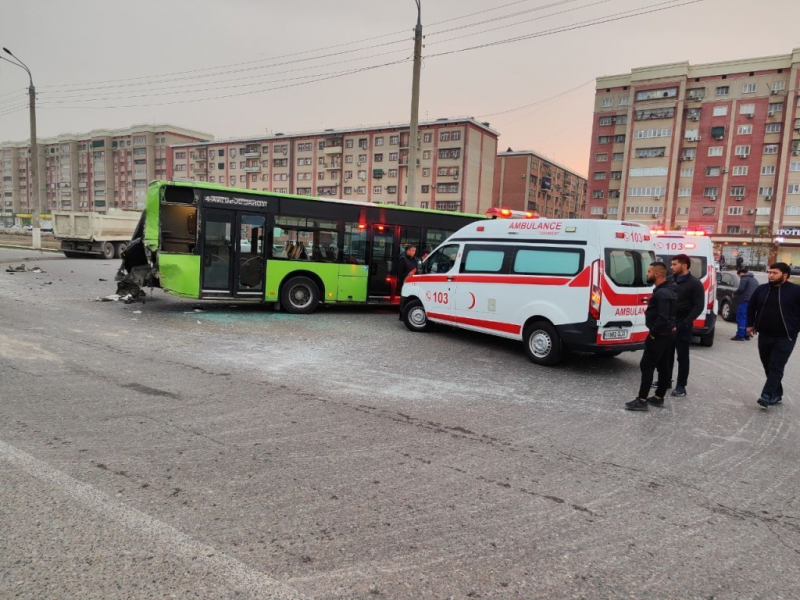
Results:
[413, 145]
[36, 243]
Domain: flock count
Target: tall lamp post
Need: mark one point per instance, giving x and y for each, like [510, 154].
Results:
[412, 143]
[34, 158]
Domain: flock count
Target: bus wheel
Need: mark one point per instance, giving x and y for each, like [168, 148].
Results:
[542, 344]
[108, 250]
[299, 296]
[121, 247]
[415, 317]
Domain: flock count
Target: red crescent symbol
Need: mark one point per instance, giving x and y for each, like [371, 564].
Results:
[471, 306]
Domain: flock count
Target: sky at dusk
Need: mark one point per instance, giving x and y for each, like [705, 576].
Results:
[254, 67]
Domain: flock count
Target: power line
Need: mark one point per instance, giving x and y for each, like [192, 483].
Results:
[13, 110]
[538, 102]
[581, 25]
[302, 53]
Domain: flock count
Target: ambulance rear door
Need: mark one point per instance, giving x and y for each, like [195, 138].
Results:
[624, 292]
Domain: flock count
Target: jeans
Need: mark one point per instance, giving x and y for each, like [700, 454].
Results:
[774, 353]
[741, 320]
[657, 355]
[683, 340]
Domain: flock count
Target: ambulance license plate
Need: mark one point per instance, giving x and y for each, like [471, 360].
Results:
[615, 334]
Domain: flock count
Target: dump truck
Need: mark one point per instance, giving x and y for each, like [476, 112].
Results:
[91, 233]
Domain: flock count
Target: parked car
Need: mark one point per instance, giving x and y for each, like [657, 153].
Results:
[727, 284]
[795, 269]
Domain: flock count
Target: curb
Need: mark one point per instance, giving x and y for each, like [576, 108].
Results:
[16, 247]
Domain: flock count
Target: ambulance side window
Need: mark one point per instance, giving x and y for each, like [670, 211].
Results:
[621, 267]
[485, 259]
[442, 260]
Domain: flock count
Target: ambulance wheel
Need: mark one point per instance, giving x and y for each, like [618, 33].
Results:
[542, 344]
[707, 340]
[299, 296]
[415, 317]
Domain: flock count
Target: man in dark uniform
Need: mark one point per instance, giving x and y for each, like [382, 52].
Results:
[691, 304]
[658, 347]
[774, 314]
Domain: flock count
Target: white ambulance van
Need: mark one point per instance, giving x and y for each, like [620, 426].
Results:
[555, 284]
[698, 247]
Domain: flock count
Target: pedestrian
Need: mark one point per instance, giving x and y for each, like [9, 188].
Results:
[405, 265]
[747, 285]
[658, 347]
[691, 303]
[739, 262]
[774, 314]
[721, 262]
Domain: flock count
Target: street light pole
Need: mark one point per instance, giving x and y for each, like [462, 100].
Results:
[412, 142]
[36, 243]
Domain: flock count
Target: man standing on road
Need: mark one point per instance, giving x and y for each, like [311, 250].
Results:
[747, 285]
[774, 314]
[658, 347]
[691, 303]
[405, 265]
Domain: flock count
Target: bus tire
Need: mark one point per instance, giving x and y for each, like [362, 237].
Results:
[299, 296]
[708, 339]
[542, 344]
[415, 317]
[121, 247]
[108, 250]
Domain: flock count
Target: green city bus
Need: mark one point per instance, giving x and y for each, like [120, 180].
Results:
[205, 241]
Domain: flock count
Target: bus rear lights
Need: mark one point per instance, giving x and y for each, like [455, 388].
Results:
[362, 226]
[381, 228]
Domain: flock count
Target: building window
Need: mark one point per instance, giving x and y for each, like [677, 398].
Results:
[687, 172]
[795, 166]
[682, 210]
[426, 172]
[646, 191]
[749, 88]
[599, 175]
[732, 229]
[604, 139]
[598, 194]
[394, 140]
[720, 111]
[715, 150]
[612, 210]
[747, 109]
[348, 190]
[427, 138]
[713, 171]
[625, 101]
[737, 190]
[456, 136]
[765, 191]
[737, 171]
[711, 192]
[723, 90]
[377, 189]
[646, 172]
[391, 189]
[763, 210]
[393, 156]
[379, 158]
[778, 86]
[657, 94]
[794, 188]
[619, 139]
[601, 157]
[773, 128]
[652, 133]
[771, 149]
[597, 210]
[348, 144]
[684, 192]
[735, 210]
[775, 107]
[392, 172]
[742, 151]
[606, 121]
[618, 156]
[607, 102]
[426, 189]
[745, 129]
[650, 152]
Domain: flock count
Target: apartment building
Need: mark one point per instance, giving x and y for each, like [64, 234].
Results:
[88, 172]
[525, 180]
[455, 164]
[713, 147]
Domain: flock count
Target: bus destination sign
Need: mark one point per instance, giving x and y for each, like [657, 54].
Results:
[234, 201]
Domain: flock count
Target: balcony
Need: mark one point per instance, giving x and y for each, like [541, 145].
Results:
[333, 166]
[252, 154]
[200, 170]
[253, 169]
[329, 150]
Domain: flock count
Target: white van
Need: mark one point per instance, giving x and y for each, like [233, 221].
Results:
[555, 284]
[698, 247]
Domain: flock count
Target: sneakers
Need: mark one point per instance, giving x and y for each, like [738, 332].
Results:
[654, 385]
[763, 403]
[736, 338]
[777, 400]
[637, 404]
[679, 392]
[655, 401]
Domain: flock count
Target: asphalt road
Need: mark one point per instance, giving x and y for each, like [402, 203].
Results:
[153, 451]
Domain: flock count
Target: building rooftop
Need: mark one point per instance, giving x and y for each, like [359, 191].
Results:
[543, 157]
[95, 133]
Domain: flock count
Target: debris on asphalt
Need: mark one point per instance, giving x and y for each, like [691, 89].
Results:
[22, 268]
[101, 279]
[109, 298]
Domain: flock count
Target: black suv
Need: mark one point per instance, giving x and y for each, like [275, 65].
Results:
[727, 284]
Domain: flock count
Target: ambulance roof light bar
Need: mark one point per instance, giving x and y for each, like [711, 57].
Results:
[695, 232]
[506, 213]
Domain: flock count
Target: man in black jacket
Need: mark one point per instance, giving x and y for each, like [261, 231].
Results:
[405, 265]
[774, 314]
[658, 347]
[691, 303]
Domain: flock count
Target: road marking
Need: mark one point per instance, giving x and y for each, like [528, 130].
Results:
[241, 577]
